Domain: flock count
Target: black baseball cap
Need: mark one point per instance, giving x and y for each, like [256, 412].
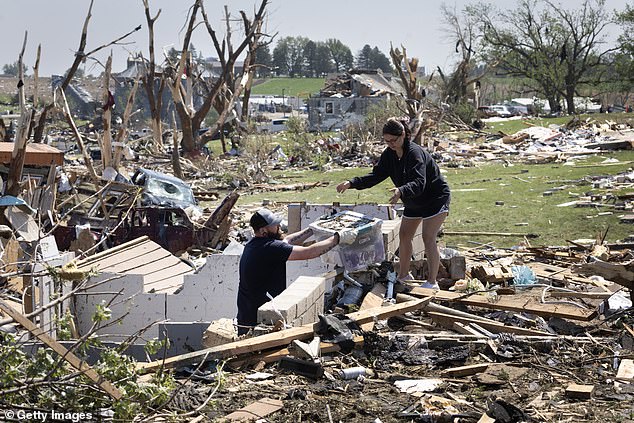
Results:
[264, 217]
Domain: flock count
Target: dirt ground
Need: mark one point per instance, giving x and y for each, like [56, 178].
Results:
[524, 382]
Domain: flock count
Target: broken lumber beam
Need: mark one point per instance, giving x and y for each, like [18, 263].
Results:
[448, 321]
[372, 299]
[443, 309]
[621, 273]
[276, 355]
[591, 295]
[625, 372]
[466, 329]
[71, 358]
[276, 339]
[469, 370]
[222, 211]
[519, 303]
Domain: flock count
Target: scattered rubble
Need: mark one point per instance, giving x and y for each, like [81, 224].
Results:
[522, 334]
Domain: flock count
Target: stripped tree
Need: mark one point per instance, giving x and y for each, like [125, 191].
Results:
[19, 148]
[464, 31]
[191, 119]
[153, 84]
[80, 56]
[406, 69]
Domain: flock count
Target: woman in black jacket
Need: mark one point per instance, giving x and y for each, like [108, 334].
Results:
[421, 188]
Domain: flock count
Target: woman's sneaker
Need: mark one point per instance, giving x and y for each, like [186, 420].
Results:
[429, 285]
[408, 277]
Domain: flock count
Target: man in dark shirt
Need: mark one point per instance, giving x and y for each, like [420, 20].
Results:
[263, 262]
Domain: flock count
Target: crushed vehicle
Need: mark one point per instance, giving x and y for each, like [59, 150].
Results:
[160, 189]
[156, 205]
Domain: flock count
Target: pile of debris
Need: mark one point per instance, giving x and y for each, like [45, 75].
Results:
[535, 334]
[538, 144]
[514, 335]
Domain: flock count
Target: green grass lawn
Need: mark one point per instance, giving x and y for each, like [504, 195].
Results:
[294, 87]
[475, 192]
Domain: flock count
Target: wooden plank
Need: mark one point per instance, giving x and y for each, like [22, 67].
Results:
[465, 329]
[275, 339]
[463, 371]
[256, 410]
[557, 273]
[173, 273]
[519, 303]
[161, 265]
[36, 154]
[71, 358]
[137, 257]
[372, 299]
[87, 262]
[621, 273]
[626, 370]
[448, 320]
[276, 355]
[592, 295]
[579, 391]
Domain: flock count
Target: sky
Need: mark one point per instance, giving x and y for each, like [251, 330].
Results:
[57, 26]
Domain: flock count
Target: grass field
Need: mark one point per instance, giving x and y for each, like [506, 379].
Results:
[492, 198]
[294, 87]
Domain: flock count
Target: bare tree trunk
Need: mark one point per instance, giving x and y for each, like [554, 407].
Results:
[191, 120]
[123, 131]
[149, 79]
[80, 142]
[19, 148]
[36, 78]
[176, 161]
[108, 103]
[188, 141]
[414, 94]
[80, 56]
[36, 72]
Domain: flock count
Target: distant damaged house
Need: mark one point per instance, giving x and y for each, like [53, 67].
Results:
[82, 103]
[347, 97]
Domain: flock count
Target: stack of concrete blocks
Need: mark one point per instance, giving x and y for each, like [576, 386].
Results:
[299, 304]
